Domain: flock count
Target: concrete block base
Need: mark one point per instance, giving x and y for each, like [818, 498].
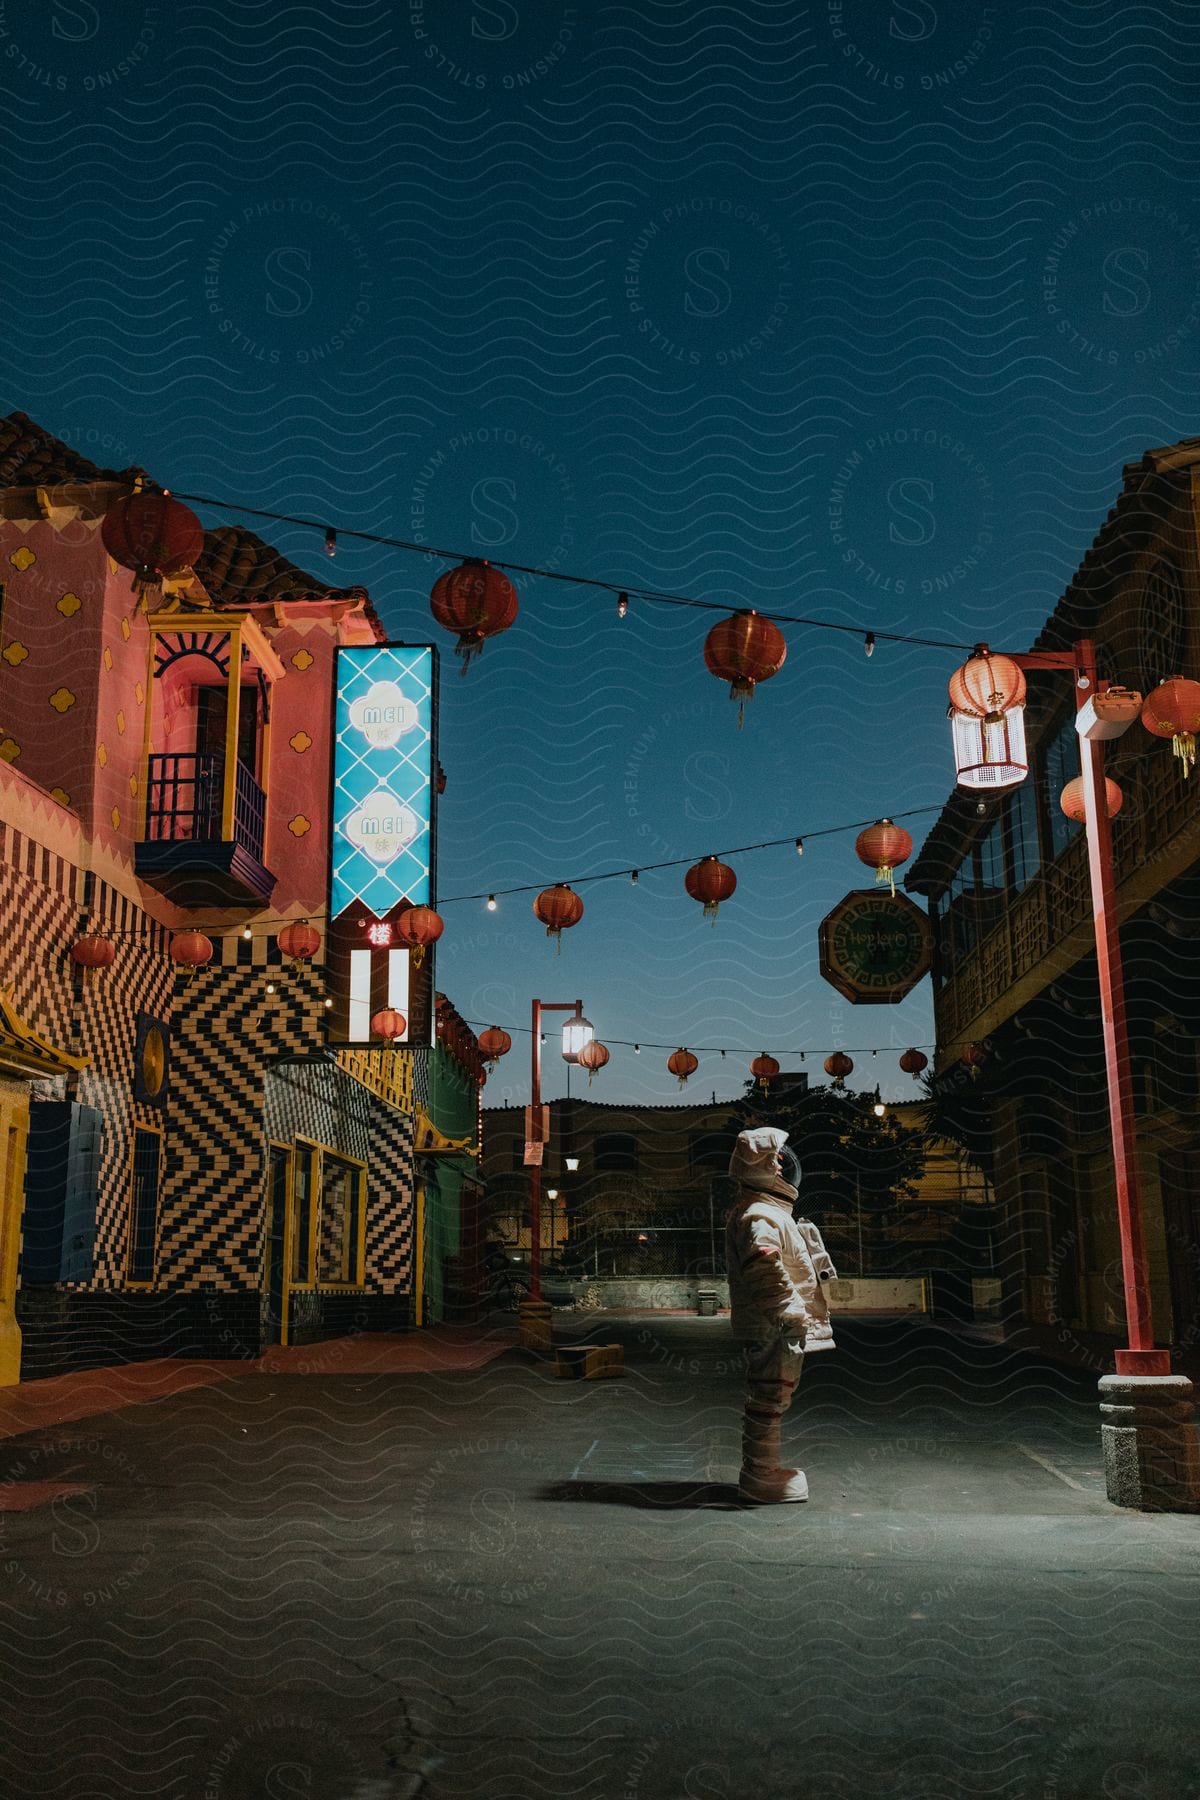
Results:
[535, 1325]
[1151, 1450]
[590, 1362]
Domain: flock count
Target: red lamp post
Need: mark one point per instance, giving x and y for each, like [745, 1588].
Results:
[1140, 1356]
[576, 1033]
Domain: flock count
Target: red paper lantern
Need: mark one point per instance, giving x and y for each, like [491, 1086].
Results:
[710, 882]
[974, 1056]
[475, 601]
[1173, 711]
[419, 927]
[494, 1043]
[93, 952]
[914, 1063]
[744, 650]
[558, 908]
[883, 847]
[191, 950]
[764, 1069]
[299, 942]
[389, 1024]
[837, 1067]
[682, 1063]
[593, 1057]
[1071, 799]
[152, 534]
[987, 686]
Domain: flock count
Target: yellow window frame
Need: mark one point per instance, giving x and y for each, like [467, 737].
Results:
[353, 1254]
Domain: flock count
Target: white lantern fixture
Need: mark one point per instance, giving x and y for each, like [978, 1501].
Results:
[987, 717]
[577, 1032]
[572, 1163]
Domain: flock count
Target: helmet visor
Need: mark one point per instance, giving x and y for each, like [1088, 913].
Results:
[789, 1166]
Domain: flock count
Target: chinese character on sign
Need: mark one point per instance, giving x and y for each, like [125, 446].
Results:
[379, 934]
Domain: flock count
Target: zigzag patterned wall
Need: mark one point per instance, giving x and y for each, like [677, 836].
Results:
[320, 1100]
[225, 1097]
[46, 901]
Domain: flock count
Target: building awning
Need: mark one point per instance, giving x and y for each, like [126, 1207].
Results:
[25, 1053]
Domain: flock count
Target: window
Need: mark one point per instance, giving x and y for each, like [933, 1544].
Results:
[359, 1026]
[1022, 811]
[342, 1184]
[143, 1205]
[1059, 761]
[212, 713]
[615, 1153]
[1162, 626]
[990, 851]
[303, 1179]
[709, 1152]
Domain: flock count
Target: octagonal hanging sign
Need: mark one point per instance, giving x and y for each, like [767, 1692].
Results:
[875, 946]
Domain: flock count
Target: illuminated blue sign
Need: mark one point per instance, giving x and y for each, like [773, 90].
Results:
[382, 778]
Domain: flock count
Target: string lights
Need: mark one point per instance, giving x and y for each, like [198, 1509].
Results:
[679, 862]
[623, 591]
[722, 1050]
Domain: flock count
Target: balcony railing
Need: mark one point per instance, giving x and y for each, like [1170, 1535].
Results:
[185, 801]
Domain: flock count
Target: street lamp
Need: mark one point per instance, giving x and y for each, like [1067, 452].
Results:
[987, 697]
[577, 1032]
[572, 1163]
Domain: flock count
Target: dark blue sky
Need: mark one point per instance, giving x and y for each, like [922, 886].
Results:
[852, 309]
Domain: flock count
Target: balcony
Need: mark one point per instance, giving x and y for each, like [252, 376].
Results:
[186, 853]
[1048, 926]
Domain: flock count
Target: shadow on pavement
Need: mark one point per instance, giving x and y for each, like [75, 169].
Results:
[721, 1495]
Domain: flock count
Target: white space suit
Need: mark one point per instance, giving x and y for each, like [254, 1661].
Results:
[777, 1270]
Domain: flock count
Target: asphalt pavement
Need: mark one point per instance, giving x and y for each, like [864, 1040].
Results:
[487, 1582]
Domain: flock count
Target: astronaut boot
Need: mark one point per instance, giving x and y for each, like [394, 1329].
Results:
[772, 1487]
[763, 1481]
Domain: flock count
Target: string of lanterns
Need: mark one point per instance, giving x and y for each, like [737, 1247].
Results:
[299, 941]
[495, 1042]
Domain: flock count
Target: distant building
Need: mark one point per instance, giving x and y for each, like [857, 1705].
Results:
[1014, 966]
[649, 1195]
[225, 1159]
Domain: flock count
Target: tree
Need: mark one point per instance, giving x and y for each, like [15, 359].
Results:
[856, 1169]
[957, 1113]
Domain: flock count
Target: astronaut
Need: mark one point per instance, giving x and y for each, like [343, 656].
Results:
[778, 1268]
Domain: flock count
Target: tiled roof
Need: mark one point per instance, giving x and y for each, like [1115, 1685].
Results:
[31, 457]
[238, 568]
[1149, 487]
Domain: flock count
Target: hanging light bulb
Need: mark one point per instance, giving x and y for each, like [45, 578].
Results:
[799, 846]
[637, 1049]
[869, 643]
[246, 933]
[270, 987]
[491, 902]
[633, 876]
[330, 541]
[622, 605]
[328, 1002]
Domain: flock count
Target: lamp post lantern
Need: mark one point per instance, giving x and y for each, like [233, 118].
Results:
[1150, 1452]
[577, 1032]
